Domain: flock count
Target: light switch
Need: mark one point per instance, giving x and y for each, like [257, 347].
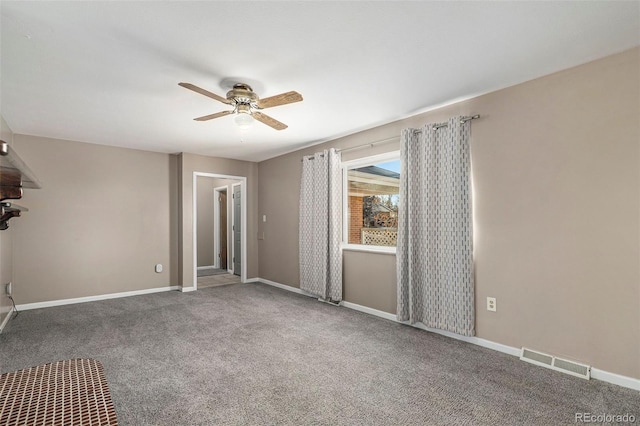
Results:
[264, 217]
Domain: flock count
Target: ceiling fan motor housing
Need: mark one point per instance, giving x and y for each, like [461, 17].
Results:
[242, 95]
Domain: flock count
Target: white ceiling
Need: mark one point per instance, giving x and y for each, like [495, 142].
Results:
[108, 72]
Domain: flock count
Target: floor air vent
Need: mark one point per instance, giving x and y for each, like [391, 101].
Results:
[558, 364]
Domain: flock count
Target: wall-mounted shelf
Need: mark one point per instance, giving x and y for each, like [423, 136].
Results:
[8, 211]
[14, 176]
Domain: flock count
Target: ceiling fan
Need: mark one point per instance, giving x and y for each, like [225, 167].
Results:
[246, 104]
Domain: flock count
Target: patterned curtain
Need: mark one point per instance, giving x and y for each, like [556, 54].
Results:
[321, 225]
[435, 253]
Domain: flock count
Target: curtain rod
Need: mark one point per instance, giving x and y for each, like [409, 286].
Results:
[437, 126]
[462, 121]
[372, 144]
[369, 144]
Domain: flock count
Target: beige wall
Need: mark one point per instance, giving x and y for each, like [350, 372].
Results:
[190, 163]
[102, 220]
[370, 280]
[6, 240]
[206, 232]
[557, 214]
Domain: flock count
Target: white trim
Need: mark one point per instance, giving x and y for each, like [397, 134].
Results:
[345, 207]
[243, 218]
[216, 227]
[370, 311]
[371, 159]
[469, 339]
[369, 249]
[216, 224]
[61, 302]
[202, 268]
[510, 350]
[346, 165]
[187, 289]
[616, 379]
[194, 201]
[245, 231]
[6, 320]
[596, 374]
[284, 287]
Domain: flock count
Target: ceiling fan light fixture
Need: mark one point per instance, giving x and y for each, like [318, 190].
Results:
[243, 120]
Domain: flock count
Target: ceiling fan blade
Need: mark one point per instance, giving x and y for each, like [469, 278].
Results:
[269, 121]
[281, 99]
[204, 92]
[212, 116]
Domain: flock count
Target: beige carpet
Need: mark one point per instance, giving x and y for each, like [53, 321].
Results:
[251, 354]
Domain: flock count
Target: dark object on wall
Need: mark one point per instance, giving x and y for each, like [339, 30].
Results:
[14, 175]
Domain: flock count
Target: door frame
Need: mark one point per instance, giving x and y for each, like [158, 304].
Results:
[243, 221]
[216, 225]
[242, 230]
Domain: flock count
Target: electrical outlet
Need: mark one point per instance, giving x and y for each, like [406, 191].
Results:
[8, 288]
[491, 304]
[158, 268]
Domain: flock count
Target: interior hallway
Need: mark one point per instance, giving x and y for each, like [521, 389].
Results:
[218, 280]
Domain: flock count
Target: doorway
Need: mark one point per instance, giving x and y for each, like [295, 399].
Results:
[223, 224]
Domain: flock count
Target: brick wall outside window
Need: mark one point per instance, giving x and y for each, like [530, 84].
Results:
[355, 220]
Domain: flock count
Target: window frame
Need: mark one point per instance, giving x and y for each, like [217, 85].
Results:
[352, 164]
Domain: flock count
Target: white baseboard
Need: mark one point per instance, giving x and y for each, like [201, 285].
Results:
[469, 339]
[61, 302]
[370, 311]
[616, 379]
[597, 374]
[510, 350]
[187, 289]
[6, 320]
[285, 287]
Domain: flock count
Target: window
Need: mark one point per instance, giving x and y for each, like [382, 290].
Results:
[371, 202]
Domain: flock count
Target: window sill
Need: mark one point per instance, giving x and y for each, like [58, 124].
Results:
[369, 249]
